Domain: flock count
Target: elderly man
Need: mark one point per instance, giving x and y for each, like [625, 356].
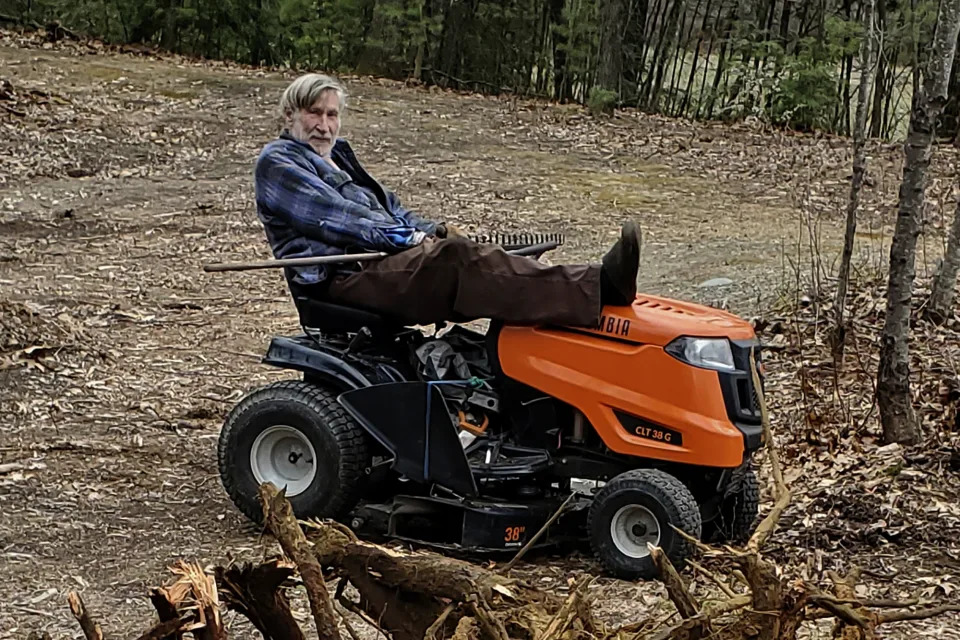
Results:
[315, 199]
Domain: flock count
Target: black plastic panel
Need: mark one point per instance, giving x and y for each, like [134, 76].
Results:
[395, 414]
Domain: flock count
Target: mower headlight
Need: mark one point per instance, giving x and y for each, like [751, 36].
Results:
[709, 353]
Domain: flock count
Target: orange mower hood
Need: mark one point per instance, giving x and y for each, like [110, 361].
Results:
[658, 321]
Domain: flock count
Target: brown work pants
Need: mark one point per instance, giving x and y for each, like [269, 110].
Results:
[459, 280]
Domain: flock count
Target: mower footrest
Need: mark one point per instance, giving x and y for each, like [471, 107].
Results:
[510, 461]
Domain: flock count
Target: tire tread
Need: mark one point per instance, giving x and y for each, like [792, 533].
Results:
[350, 438]
[670, 492]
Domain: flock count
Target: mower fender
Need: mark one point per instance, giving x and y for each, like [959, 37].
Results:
[302, 355]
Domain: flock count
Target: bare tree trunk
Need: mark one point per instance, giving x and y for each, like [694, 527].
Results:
[681, 111]
[654, 22]
[892, 78]
[561, 88]
[721, 67]
[543, 64]
[612, 15]
[662, 53]
[867, 49]
[688, 92]
[950, 119]
[785, 23]
[841, 117]
[897, 416]
[940, 307]
[169, 38]
[714, 34]
[679, 58]
[915, 51]
[421, 44]
[876, 119]
[802, 27]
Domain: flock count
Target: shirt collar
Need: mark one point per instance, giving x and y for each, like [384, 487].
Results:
[286, 135]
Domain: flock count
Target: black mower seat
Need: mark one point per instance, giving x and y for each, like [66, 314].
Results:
[327, 317]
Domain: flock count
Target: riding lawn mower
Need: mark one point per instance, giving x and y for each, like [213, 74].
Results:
[473, 440]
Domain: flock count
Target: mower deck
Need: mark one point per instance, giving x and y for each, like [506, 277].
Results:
[475, 525]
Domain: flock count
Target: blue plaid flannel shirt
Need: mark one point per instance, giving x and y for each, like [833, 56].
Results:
[308, 208]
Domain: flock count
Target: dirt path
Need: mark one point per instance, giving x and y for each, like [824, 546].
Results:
[135, 354]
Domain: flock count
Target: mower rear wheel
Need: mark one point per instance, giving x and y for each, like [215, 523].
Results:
[295, 435]
[737, 513]
[638, 507]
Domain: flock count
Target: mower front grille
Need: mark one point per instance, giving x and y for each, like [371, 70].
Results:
[740, 395]
[755, 400]
[749, 402]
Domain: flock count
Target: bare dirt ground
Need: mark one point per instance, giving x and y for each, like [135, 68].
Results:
[120, 176]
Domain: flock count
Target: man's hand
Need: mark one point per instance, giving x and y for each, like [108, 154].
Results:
[452, 231]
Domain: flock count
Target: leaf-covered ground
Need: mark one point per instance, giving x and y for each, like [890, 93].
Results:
[120, 175]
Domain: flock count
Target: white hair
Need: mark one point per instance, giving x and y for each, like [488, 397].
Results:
[307, 89]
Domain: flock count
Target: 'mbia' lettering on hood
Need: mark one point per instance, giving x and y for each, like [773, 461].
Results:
[614, 325]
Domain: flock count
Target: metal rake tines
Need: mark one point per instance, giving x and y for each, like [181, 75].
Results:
[517, 240]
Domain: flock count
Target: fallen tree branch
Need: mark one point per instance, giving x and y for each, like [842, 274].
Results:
[769, 523]
[567, 612]
[921, 614]
[408, 595]
[257, 594]
[166, 611]
[166, 629]
[355, 609]
[842, 611]
[465, 629]
[279, 516]
[766, 592]
[347, 625]
[727, 591]
[676, 589]
[876, 604]
[91, 629]
[695, 623]
[699, 544]
[196, 590]
[488, 621]
[438, 623]
[403, 613]
[424, 573]
[711, 610]
[765, 421]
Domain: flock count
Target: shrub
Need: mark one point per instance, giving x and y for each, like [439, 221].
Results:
[601, 101]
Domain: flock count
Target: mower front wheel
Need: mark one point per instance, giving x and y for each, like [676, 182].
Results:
[737, 513]
[295, 435]
[638, 507]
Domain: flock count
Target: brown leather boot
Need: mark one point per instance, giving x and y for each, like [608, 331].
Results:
[618, 277]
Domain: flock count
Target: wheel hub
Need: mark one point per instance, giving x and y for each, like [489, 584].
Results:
[631, 528]
[285, 457]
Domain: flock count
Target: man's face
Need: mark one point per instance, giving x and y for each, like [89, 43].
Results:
[319, 125]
